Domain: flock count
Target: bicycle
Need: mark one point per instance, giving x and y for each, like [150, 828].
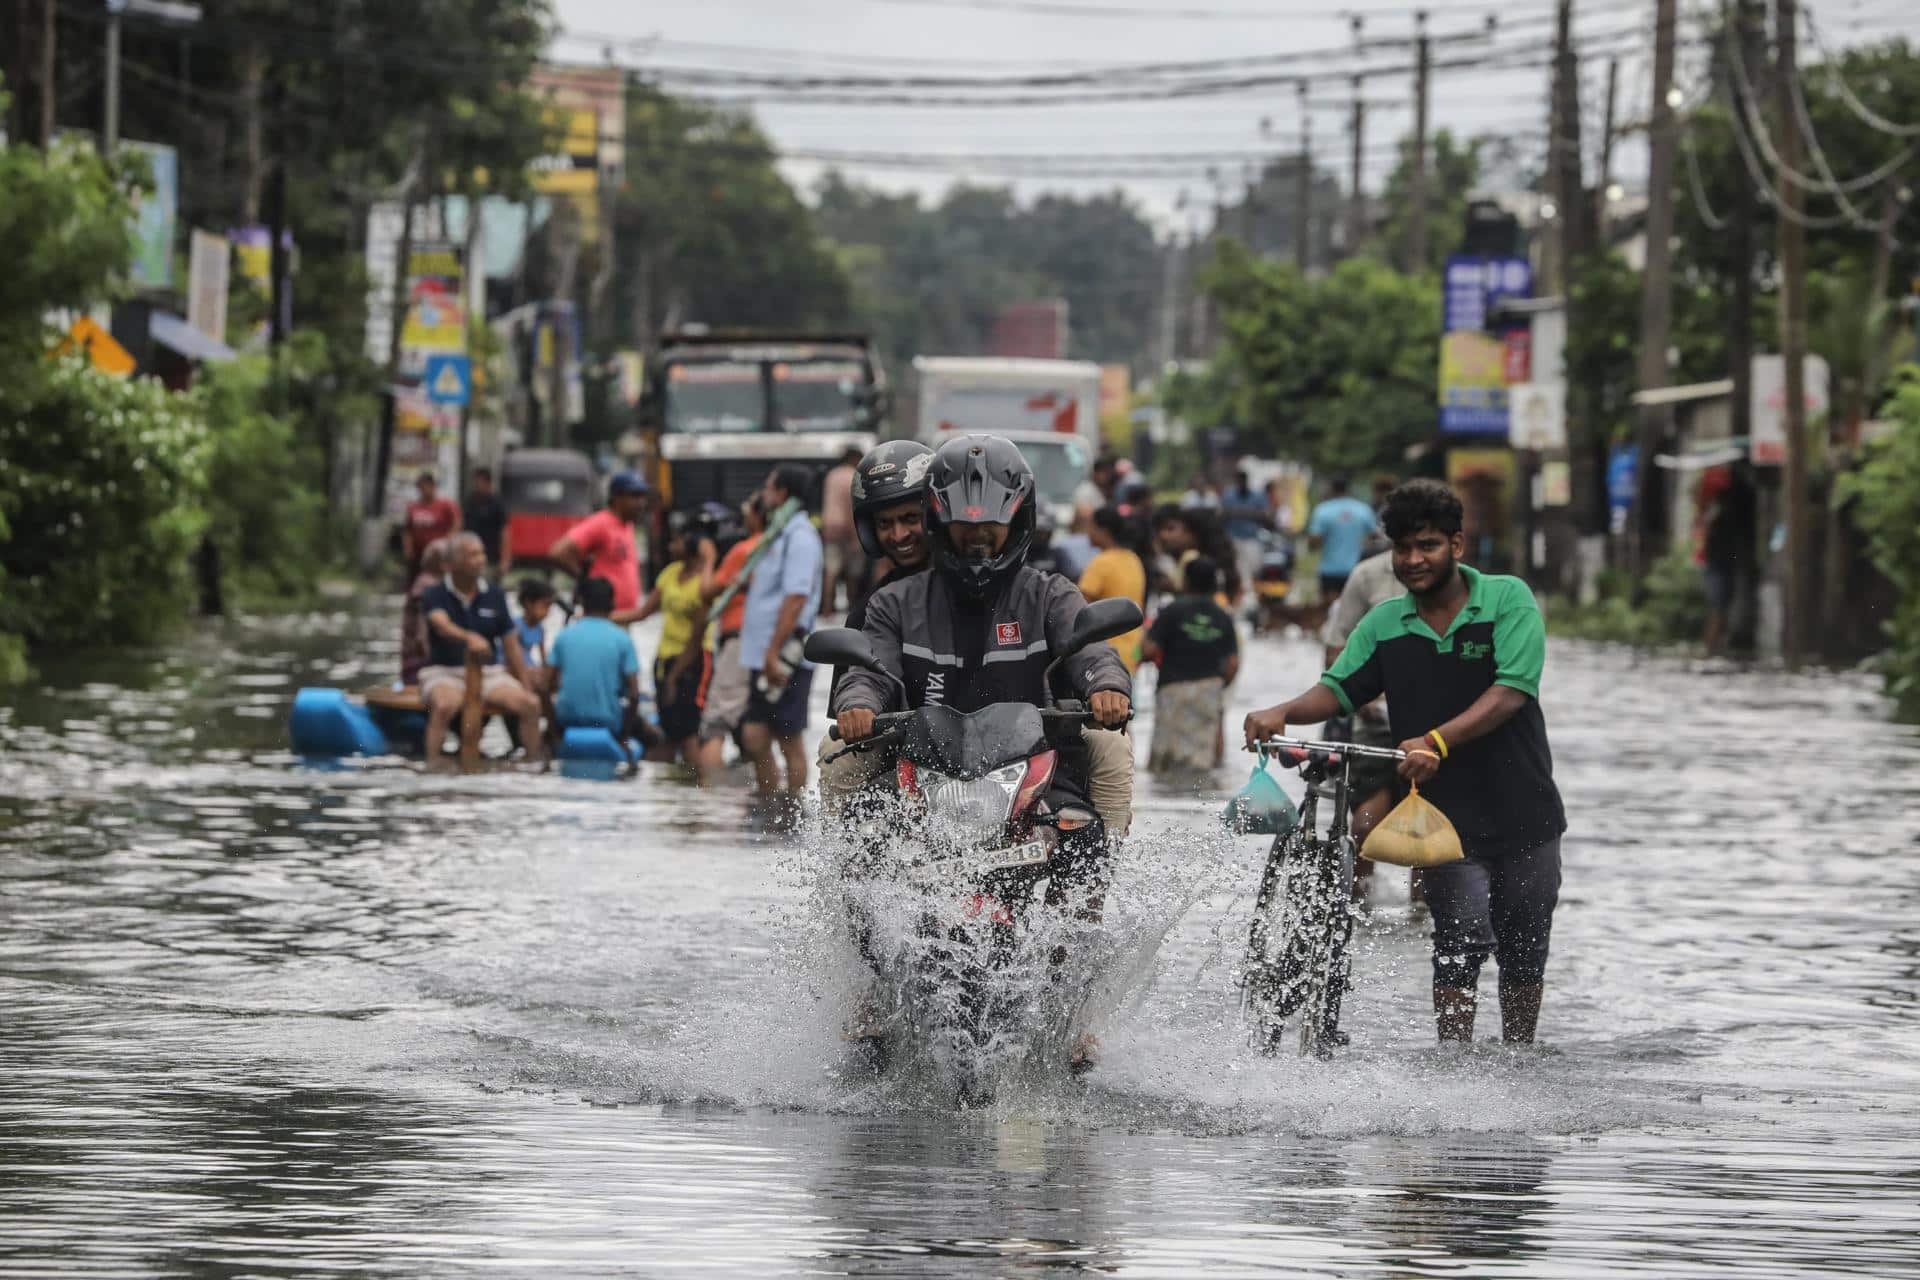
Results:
[1296, 962]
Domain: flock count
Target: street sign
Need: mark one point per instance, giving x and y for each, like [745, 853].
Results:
[448, 379]
[1537, 415]
[1623, 484]
[1769, 404]
[209, 269]
[1474, 286]
[100, 347]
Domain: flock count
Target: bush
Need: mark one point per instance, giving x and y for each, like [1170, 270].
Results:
[265, 517]
[102, 495]
[1669, 607]
[1886, 494]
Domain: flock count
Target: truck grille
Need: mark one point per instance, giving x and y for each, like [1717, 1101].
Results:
[729, 482]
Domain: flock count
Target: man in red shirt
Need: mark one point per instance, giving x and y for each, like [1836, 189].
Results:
[428, 519]
[603, 544]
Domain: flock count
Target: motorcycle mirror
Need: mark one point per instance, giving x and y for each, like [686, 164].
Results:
[840, 647]
[1102, 620]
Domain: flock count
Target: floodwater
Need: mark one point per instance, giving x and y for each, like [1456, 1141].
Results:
[257, 1018]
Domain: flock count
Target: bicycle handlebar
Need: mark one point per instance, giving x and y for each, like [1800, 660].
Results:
[1299, 751]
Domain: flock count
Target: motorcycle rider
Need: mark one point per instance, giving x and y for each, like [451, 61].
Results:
[890, 517]
[983, 626]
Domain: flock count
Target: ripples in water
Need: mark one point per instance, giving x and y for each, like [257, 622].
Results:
[260, 1018]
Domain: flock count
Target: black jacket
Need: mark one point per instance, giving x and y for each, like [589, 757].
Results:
[954, 653]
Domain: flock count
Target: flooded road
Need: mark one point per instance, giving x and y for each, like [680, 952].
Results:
[259, 1018]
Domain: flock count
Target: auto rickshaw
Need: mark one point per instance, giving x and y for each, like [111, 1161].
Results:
[545, 491]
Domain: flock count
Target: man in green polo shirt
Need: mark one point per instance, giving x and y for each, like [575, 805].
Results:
[1459, 659]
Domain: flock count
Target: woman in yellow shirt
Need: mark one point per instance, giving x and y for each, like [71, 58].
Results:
[678, 663]
[1116, 573]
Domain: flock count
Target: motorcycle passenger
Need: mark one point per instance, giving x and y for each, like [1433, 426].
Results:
[890, 517]
[984, 625]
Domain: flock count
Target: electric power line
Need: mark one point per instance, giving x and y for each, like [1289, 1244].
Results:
[1841, 89]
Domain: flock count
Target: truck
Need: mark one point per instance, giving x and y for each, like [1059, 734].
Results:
[720, 409]
[1049, 408]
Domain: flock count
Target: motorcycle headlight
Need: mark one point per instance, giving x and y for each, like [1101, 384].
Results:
[971, 811]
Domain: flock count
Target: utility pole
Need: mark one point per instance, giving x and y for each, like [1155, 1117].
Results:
[1656, 288]
[110, 133]
[1169, 300]
[1793, 332]
[1303, 188]
[418, 176]
[1357, 198]
[277, 323]
[1564, 152]
[1750, 36]
[31, 72]
[1417, 196]
[1603, 199]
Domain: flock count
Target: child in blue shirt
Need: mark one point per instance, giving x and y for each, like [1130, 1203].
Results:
[596, 673]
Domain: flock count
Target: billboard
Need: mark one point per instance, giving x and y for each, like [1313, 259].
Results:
[155, 215]
[1476, 365]
[1035, 330]
[1769, 404]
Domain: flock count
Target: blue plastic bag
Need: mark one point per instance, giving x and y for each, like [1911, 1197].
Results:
[1260, 808]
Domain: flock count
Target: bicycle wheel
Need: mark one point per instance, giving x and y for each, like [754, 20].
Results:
[1293, 944]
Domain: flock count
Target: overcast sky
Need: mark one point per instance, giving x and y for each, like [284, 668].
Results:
[1025, 37]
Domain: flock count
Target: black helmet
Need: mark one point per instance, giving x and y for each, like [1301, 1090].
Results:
[980, 480]
[890, 474]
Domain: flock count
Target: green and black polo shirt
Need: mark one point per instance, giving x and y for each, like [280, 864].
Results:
[1498, 792]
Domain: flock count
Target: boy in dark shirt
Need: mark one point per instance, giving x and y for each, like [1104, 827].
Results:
[1198, 652]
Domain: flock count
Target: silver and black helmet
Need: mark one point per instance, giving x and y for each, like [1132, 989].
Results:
[890, 474]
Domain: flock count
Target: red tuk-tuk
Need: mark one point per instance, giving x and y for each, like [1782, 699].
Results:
[545, 491]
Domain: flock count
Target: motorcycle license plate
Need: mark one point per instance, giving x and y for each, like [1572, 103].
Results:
[1031, 854]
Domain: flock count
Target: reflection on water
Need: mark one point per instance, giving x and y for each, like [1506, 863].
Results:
[260, 1018]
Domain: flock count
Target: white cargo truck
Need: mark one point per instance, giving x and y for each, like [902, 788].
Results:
[1050, 408]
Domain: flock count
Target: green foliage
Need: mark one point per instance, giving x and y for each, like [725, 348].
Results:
[1453, 171]
[63, 218]
[1338, 372]
[933, 279]
[710, 231]
[268, 522]
[1885, 492]
[1668, 607]
[102, 490]
[1853, 330]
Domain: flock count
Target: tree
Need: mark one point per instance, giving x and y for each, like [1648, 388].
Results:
[1453, 171]
[710, 231]
[932, 280]
[1339, 372]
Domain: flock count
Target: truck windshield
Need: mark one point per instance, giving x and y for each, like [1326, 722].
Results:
[715, 396]
[817, 395]
[1058, 466]
[997, 410]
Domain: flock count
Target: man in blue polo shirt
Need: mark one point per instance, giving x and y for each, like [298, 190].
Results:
[1339, 527]
[1459, 659]
[467, 614]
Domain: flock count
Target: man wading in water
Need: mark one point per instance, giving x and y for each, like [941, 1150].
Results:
[1459, 659]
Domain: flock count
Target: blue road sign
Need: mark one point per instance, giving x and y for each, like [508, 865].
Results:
[448, 379]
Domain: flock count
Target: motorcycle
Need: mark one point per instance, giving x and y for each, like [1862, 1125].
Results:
[952, 864]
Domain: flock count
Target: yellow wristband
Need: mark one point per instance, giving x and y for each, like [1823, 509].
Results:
[1439, 742]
